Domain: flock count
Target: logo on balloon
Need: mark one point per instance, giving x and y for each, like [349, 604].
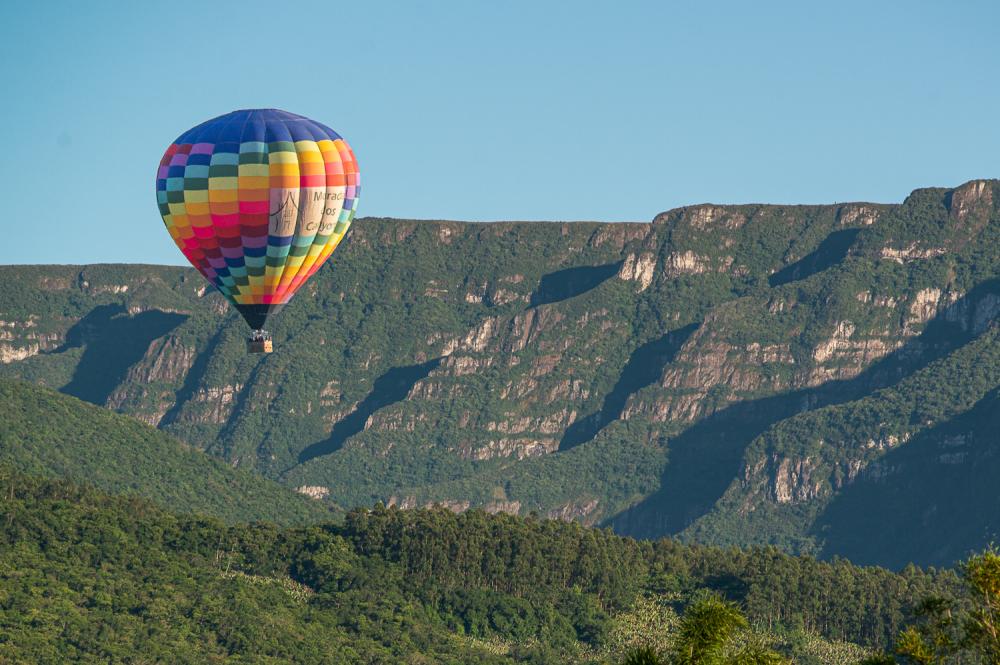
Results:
[283, 219]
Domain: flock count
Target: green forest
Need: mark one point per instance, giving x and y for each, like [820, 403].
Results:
[45, 433]
[90, 577]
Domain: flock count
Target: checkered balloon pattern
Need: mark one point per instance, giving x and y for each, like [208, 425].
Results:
[257, 200]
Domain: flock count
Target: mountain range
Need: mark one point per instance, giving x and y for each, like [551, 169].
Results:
[821, 378]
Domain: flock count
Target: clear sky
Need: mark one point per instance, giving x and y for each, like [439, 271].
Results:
[495, 110]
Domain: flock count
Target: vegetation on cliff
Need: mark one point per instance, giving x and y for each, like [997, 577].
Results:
[735, 374]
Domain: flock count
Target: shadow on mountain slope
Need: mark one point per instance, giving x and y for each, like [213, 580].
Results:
[571, 282]
[830, 252]
[191, 380]
[643, 368]
[888, 516]
[705, 458]
[391, 387]
[113, 341]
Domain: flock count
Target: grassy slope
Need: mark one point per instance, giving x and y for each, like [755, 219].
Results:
[43, 432]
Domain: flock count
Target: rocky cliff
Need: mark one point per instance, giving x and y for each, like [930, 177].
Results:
[730, 373]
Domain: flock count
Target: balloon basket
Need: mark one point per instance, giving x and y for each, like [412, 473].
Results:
[260, 342]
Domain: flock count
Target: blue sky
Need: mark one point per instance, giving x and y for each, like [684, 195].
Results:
[495, 110]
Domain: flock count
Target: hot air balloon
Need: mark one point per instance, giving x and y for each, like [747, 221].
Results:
[257, 200]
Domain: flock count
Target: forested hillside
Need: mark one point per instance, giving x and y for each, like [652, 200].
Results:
[45, 433]
[821, 378]
[88, 577]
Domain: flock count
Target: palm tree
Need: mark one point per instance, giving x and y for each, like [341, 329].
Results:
[756, 652]
[707, 626]
[643, 656]
[705, 637]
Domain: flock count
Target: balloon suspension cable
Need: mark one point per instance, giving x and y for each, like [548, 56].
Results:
[259, 342]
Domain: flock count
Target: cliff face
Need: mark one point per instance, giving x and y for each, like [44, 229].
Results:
[724, 372]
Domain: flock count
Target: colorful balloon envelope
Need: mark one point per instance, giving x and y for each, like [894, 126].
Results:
[257, 200]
